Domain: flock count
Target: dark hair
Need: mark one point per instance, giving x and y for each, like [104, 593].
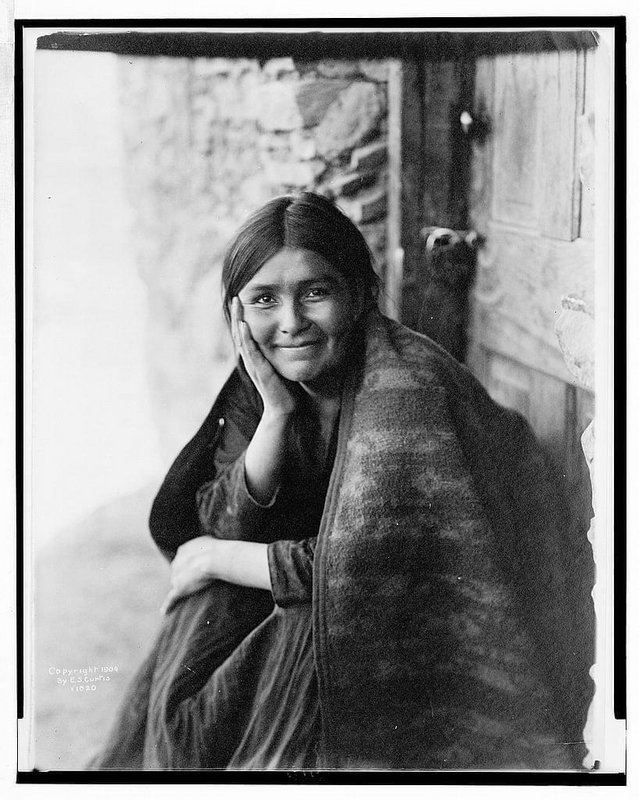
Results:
[306, 221]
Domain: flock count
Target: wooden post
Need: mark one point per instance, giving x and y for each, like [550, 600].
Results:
[405, 184]
[393, 276]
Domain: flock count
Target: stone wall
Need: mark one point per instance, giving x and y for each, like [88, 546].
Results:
[208, 140]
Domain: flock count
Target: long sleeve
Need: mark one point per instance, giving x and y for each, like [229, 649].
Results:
[228, 511]
[205, 492]
[174, 517]
[290, 566]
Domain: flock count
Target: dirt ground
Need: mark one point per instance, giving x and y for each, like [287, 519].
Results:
[99, 587]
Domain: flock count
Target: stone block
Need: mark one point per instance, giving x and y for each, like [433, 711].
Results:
[336, 68]
[242, 66]
[369, 157]
[216, 66]
[223, 94]
[293, 174]
[315, 97]
[278, 67]
[307, 69]
[248, 84]
[271, 141]
[367, 207]
[303, 147]
[351, 118]
[347, 185]
[276, 107]
[376, 70]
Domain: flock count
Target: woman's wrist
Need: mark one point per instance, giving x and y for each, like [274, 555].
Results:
[242, 563]
[265, 455]
[277, 417]
[205, 559]
[213, 559]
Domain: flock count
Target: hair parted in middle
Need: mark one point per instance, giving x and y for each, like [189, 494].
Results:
[304, 221]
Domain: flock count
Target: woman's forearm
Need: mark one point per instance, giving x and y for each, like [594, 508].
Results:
[265, 456]
[204, 559]
[243, 563]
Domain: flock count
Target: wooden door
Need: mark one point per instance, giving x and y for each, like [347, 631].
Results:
[530, 199]
[525, 186]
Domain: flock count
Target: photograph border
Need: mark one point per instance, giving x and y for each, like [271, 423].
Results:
[619, 181]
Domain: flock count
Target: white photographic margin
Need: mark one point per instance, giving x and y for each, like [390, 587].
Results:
[605, 345]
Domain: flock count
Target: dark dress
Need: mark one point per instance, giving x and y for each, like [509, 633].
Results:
[199, 699]
[281, 715]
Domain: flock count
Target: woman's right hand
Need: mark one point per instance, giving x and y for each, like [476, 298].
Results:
[266, 453]
[277, 397]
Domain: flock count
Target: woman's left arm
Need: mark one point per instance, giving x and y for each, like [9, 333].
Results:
[284, 567]
[206, 559]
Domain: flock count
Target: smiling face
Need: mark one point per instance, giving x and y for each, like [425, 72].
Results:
[300, 312]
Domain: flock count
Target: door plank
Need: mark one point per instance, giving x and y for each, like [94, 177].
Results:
[586, 150]
[562, 91]
[515, 140]
[521, 279]
[481, 184]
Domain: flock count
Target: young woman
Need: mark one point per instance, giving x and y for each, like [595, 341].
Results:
[369, 556]
[296, 326]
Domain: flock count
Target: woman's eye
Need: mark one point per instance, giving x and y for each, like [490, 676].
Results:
[317, 292]
[264, 300]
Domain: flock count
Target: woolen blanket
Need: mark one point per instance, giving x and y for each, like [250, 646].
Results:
[452, 620]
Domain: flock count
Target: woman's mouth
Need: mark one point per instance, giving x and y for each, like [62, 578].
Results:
[298, 346]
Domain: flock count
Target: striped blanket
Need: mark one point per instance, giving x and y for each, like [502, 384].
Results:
[452, 620]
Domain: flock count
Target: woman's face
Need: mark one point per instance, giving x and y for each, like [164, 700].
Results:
[300, 312]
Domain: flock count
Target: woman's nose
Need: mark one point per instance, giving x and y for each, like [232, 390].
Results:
[292, 318]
